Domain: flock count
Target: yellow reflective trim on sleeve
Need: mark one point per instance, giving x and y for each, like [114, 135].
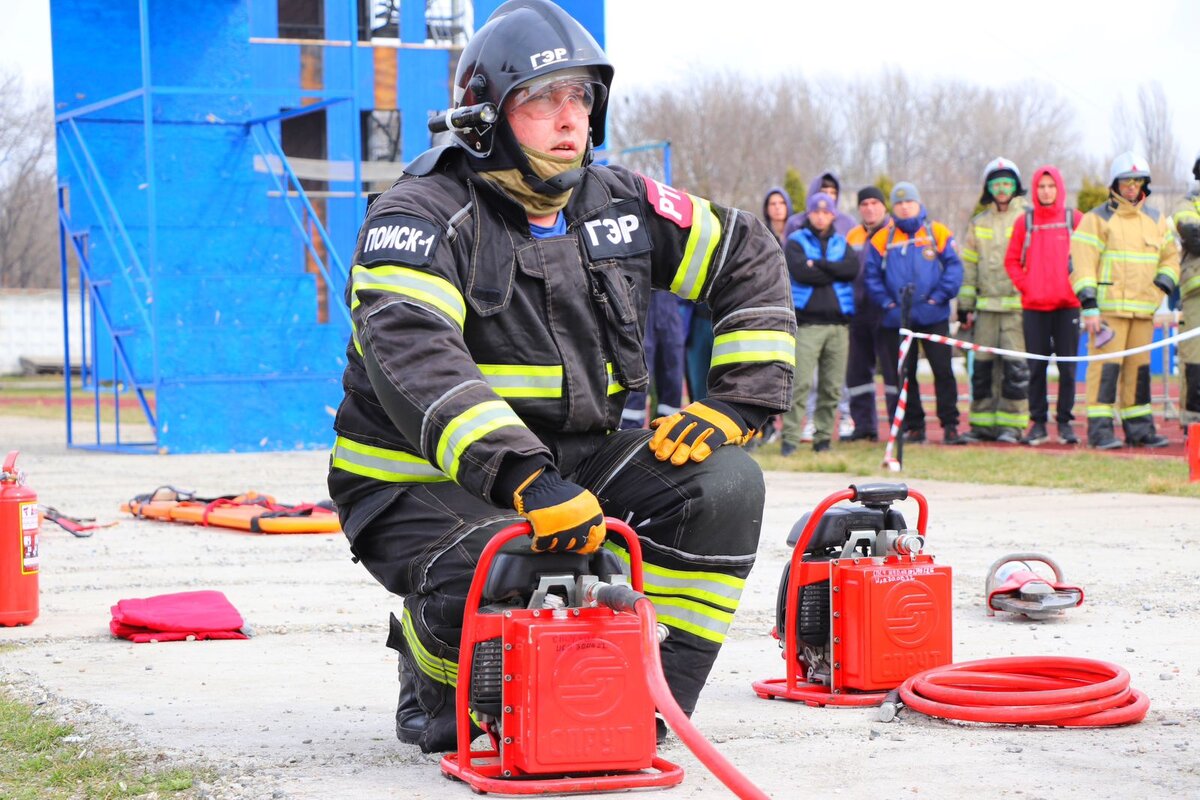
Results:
[753, 346]
[970, 256]
[966, 291]
[1188, 286]
[1087, 239]
[383, 464]
[433, 291]
[524, 380]
[702, 241]
[469, 427]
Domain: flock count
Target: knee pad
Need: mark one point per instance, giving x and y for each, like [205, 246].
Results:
[981, 379]
[1015, 385]
[1191, 373]
[1109, 373]
[1141, 392]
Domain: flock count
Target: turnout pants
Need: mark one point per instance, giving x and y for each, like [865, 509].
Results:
[1051, 332]
[999, 384]
[1189, 363]
[1121, 384]
[945, 385]
[867, 348]
[698, 525]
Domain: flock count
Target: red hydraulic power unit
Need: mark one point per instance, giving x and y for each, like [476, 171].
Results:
[18, 547]
[861, 606]
[557, 684]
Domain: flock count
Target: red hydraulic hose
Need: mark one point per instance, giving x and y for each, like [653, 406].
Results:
[703, 749]
[1056, 691]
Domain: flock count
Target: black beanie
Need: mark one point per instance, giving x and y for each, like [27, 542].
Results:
[871, 193]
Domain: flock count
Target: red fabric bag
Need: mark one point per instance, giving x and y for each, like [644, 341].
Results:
[177, 617]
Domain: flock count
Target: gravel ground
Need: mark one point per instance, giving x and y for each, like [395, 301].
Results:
[304, 708]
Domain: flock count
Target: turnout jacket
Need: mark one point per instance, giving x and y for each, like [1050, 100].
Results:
[1125, 258]
[1187, 224]
[477, 348]
[986, 284]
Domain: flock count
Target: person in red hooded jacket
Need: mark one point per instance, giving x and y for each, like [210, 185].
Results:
[1039, 262]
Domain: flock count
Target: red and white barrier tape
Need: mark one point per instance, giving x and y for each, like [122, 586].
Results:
[893, 464]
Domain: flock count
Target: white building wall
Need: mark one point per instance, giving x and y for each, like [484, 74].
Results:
[31, 326]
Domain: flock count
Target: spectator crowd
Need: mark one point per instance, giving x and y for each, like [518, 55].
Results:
[1030, 276]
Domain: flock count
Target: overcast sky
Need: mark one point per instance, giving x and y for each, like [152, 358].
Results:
[1093, 54]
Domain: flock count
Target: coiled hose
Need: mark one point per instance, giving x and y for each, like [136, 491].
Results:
[1057, 691]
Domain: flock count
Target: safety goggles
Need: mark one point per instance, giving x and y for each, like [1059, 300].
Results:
[1002, 185]
[548, 100]
[1131, 181]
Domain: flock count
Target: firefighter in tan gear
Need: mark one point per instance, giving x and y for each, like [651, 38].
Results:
[990, 307]
[1125, 259]
[498, 300]
[1187, 228]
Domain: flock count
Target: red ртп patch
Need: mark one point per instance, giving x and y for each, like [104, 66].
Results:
[670, 203]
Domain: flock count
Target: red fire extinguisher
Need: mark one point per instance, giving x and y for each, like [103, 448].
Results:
[18, 547]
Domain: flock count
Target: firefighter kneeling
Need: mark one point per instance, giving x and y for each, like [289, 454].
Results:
[489, 365]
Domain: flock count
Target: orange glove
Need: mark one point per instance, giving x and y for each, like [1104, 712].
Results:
[696, 430]
[564, 516]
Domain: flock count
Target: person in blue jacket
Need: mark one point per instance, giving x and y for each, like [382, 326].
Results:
[822, 268]
[912, 272]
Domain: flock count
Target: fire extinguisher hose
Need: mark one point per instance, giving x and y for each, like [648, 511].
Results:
[678, 721]
[1057, 691]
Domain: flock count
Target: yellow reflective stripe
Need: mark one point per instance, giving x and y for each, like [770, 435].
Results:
[983, 419]
[701, 243]
[748, 346]
[1130, 255]
[1007, 420]
[614, 387]
[523, 380]
[1010, 303]
[1187, 214]
[430, 289]
[1008, 232]
[1087, 239]
[970, 256]
[469, 427]
[983, 233]
[439, 669]
[1083, 283]
[1133, 412]
[1098, 411]
[382, 463]
[697, 619]
[1190, 284]
[714, 587]
[1132, 306]
[966, 291]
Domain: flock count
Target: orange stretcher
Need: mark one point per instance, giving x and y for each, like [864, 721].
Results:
[250, 511]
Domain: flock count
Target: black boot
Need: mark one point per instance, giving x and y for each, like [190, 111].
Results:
[433, 733]
[1100, 434]
[1139, 432]
[950, 435]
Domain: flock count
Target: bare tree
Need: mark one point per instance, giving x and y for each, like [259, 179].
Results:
[1155, 122]
[733, 138]
[28, 229]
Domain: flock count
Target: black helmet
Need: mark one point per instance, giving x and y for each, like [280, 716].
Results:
[522, 40]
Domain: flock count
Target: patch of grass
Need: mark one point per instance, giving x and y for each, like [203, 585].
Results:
[1013, 466]
[39, 760]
